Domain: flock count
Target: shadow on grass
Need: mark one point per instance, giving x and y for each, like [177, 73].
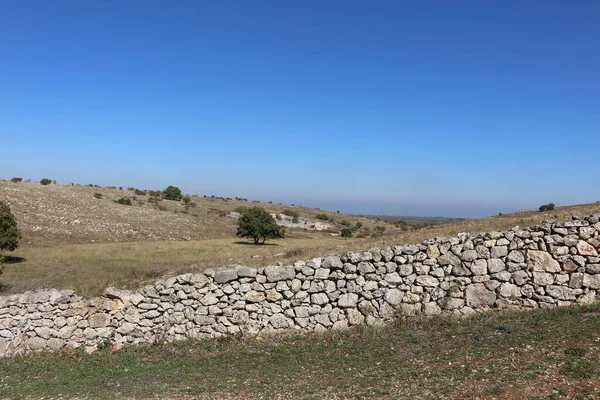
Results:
[13, 260]
[5, 287]
[255, 244]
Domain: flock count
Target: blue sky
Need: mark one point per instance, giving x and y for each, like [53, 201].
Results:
[465, 108]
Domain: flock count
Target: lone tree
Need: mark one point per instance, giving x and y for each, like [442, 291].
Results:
[45, 181]
[258, 224]
[9, 233]
[347, 233]
[172, 193]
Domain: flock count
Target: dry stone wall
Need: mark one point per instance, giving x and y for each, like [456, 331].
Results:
[549, 265]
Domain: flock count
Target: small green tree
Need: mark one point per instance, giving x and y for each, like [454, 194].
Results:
[258, 224]
[45, 181]
[9, 232]
[172, 193]
[346, 233]
[547, 207]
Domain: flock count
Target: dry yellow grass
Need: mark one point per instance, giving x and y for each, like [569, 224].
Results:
[64, 214]
[89, 268]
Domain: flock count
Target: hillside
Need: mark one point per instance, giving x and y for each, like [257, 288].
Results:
[73, 240]
[65, 214]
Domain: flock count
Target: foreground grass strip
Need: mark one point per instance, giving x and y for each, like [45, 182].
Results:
[535, 354]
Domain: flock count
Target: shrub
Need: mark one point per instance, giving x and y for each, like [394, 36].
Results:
[187, 200]
[346, 233]
[45, 181]
[547, 207]
[125, 201]
[172, 193]
[258, 224]
[345, 223]
[161, 207]
[358, 225]
[241, 209]
[322, 217]
[9, 231]
[98, 195]
[380, 228]
[16, 180]
[139, 192]
[154, 199]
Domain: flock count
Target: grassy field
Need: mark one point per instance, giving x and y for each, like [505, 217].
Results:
[89, 268]
[540, 354]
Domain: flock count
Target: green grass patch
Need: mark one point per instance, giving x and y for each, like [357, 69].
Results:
[413, 358]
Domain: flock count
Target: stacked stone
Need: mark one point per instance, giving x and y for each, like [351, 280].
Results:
[549, 265]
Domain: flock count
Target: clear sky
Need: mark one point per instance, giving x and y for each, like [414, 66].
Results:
[452, 108]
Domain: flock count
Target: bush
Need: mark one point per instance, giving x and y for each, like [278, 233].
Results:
[125, 201]
[172, 193]
[154, 199]
[45, 181]
[346, 233]
[98, 195]
[16, 180]
[358, 225]
[345, 223]
[139, 192]
[9, 232]
[161, 207]
[241, 209]
[258, 224]
[187, 200]
[547, 207]
[322, 217]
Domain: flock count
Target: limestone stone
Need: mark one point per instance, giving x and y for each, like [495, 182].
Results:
[499, 251]
[541, 261]
[509, 291]
[495, 265]
[348, 300]
[431, 308]
[276, 273]
[254, 296]
[591, 281]
[561, 292]
[280, 321]
[543, 278]
[477, 296]
[225, 275]
[319, 298]
[322, 273]
[479, 267]
[394, 296]
[516, 256]
[246, 272]
[273, 295]
[469, 255]
[449, 259]
[332, 262]
[427, 281]
[99, 320]
[586, 249]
